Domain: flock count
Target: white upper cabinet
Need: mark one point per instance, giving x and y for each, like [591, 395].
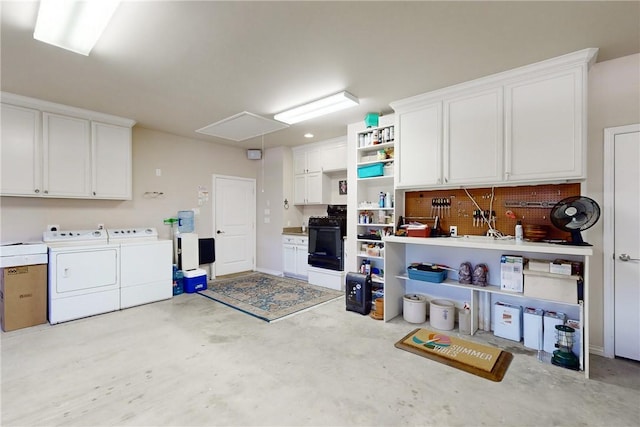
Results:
[111, 160]
[52, 150]
[419, 154]
[311, 185]
[20, 155]
[544, 133]
[67, 156]
[334, 157]
[473, 138]
[306, 161]
[526, 125]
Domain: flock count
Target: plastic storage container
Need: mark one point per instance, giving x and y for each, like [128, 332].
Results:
[442, 314]
[427, 274]
[185, 222]
[178, 281]
[369, 171]
[195, 280]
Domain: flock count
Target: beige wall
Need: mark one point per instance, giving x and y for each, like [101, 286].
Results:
[185, 164]
[614, 100]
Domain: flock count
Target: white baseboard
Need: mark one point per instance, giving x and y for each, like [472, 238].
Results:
[269, 271]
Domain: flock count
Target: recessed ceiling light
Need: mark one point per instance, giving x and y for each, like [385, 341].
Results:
[308, 135]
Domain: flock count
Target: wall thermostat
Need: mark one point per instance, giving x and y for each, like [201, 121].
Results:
[254, 154]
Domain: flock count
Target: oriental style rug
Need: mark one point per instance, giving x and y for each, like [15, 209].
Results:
[268, 297]
[481, 360]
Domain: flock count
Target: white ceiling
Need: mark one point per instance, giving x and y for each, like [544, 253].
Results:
[178, 66]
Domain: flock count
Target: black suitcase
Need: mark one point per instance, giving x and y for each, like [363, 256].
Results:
[358, 293]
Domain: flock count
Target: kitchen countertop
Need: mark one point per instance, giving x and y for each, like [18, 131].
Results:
[295, 231]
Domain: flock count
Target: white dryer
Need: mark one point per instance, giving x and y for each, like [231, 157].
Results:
[146, 265]
[84, 278]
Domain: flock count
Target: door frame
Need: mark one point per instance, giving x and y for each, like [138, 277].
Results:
[608, 238]
[214, 177]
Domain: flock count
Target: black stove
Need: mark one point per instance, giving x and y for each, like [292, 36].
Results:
[326, 238]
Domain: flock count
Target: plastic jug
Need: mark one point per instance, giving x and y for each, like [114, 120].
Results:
[185, 222]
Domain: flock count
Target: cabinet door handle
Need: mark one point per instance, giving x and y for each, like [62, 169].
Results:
[46, 191]
[37, 190]
[219, 232]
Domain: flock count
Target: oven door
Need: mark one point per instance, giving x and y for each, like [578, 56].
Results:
[326, 247]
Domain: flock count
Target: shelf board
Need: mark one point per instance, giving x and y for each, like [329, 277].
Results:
[376, 224]
[373, 162]
[488, 243]
[493, 289]
[377, 178]
[365, 255]
[376, 146]
[376, 209]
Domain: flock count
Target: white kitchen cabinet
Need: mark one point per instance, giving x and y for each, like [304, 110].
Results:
[21, 151]
[418, 150]
[334, 158]
[111, 161]
[402, 251]
[473, 138]
[307, 160]
[295, 256]
[53, 150]
[526, 125]
[67, 156]
[545, 127]
[311, 189]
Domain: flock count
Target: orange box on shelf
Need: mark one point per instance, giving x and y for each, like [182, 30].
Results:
[419, 232]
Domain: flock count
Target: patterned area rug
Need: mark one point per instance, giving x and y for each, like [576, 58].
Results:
[268, 297]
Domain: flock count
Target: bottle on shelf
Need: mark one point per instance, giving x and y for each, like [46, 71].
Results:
[381, 203]
[518, 232]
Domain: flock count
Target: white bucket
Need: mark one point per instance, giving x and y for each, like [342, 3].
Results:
[442, 314]
[414, 309]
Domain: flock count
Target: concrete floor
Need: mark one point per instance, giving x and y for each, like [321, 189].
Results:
[192, 361]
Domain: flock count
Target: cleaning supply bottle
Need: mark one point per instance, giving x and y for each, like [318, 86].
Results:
[519, 233]
[381, 202]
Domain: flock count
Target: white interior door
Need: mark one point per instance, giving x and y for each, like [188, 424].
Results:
[234, 224]
[623, 146]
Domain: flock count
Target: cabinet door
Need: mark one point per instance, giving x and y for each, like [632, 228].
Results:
[419, 147]
[314, 161]
[21, 151]
[300, 189]
[314, 188]
[111, 160]
[334, 158]
[544, 127]
[67, 157]
[299, 162]
[302, 259]
[473, 138]
[289, 259]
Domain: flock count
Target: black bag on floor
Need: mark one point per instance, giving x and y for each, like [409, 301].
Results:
[358, 293]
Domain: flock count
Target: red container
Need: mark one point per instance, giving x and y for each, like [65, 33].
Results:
[419, 232]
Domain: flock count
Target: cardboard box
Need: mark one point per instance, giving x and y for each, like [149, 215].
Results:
[552, 287]
[507, 321]
[550, 320]
[539, 265]
[23, 296]
[511, 268]
[568, 268]
[532, 327]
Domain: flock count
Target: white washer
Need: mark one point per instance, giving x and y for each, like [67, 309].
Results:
[84, 278]
[146, 265]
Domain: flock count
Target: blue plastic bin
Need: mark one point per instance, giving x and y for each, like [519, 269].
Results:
[369, 171]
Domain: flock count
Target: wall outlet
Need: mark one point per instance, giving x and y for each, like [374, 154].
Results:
[453, 231]
[53, 227]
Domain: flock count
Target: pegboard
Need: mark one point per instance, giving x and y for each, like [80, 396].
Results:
[455, 207]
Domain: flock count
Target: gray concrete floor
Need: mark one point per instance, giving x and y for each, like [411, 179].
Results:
[192, 361]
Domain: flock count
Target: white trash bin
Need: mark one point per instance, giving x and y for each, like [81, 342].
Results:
[414, 309]
[442, 314]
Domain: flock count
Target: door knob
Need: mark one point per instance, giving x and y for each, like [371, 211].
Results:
[627, 257]
[219, 232]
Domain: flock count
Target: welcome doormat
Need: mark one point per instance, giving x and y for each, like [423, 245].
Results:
[481, 360]
[268, 297]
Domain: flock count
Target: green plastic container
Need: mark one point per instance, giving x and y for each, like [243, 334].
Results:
[371, 120]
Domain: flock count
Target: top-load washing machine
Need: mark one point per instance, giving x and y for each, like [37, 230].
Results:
[146, 265]
[84, 278]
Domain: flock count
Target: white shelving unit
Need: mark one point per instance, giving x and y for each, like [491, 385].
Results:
[402, 251]
[372, 220]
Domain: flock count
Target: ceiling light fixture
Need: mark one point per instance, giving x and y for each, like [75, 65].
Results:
[73, 25]
[323, 106]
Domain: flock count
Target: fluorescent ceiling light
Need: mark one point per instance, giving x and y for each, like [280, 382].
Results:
[73, 25]
[323, 106]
